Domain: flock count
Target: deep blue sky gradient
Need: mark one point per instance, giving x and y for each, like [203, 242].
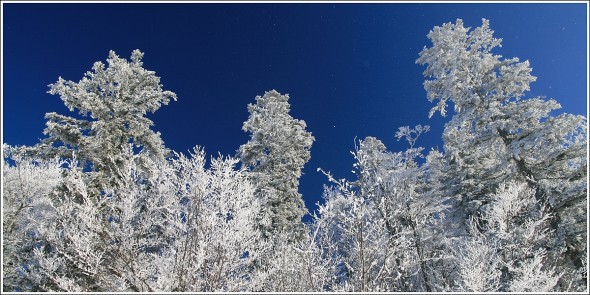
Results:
[349, 68]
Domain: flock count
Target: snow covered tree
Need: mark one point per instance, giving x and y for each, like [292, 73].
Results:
[178, 227]
[386, 225]
[479, 262]
[219, 234]
[296, 266]
[278, 148]
[102, 205]
[98, 207]
[358, 240]
[496, 135]
[507, 247]
[27, 184]
[117, 98]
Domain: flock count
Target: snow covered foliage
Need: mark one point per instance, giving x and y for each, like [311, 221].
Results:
[384, 228]
[180, 227]
[91, 212]
[278, 148]
[295, 265]
[496, 135]
[506, 250]
[218, 235]
[102, 205]
[27, 185]
[115, 98]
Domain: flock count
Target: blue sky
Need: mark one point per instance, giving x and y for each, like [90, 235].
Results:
[349, 67]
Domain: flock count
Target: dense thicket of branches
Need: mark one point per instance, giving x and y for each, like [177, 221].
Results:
[102, 205]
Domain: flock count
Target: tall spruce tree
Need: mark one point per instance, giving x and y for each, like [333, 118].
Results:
[115, 98]
[497, 135]
[278, 148]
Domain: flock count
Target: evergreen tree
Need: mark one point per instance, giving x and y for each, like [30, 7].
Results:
[278, 148]
[116, 98]
[496, 135]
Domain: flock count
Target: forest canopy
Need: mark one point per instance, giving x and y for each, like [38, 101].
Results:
[101, 204]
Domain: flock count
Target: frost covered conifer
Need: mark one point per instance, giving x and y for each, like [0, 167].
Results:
[278, 148]
[497, 135]
[134, 221]
[115, 98]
